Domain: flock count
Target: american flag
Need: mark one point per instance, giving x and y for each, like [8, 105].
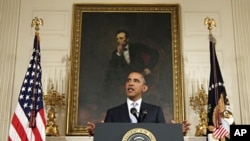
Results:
[219, 113]
[28, 122]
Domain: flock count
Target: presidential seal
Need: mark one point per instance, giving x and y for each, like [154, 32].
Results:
[139, 134]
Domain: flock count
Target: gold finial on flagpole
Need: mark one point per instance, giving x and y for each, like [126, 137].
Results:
[210, 22]
[36, 22]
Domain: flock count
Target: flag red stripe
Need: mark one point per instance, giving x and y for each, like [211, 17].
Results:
[18, 123]
[41, 112]
[37, 131]
[18, 127]
[37, 134]
[221, 132]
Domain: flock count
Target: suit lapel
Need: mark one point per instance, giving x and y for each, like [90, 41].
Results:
[124, 113]
[143, 107]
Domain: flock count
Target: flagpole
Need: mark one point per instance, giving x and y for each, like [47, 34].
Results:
[210, 23]
[35, 22]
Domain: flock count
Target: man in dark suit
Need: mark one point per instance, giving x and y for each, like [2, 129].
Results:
[134, 110]
[125, 58]
[120, 114]
[129, 57]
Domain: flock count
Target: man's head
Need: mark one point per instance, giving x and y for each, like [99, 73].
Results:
[135, 85]
[122, 37]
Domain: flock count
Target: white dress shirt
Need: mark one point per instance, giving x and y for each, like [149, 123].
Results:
[126, 54]
[131, 105]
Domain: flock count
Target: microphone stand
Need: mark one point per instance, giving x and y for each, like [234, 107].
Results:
[143, 114]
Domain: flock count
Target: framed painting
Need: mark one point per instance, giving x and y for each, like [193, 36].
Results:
[94, 39]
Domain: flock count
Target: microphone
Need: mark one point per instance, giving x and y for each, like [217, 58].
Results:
[133, 111]
[143, 114]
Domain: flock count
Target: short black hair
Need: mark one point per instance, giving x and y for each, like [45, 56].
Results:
[123, 31]
[142, 74]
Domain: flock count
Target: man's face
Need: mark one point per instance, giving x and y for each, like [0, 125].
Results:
[121, 39]
[135, 86]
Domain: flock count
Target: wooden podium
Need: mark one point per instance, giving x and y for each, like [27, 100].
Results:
[138, 132]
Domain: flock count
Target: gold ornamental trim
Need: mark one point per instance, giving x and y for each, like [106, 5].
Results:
[139, 134]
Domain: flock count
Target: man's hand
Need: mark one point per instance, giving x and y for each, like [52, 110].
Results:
[147, 71]
[90, 128]
[185, 126]
[120, 49]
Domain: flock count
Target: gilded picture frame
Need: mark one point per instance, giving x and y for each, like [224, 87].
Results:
[93, 40]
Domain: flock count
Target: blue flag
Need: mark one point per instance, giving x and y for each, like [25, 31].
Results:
[219, 114]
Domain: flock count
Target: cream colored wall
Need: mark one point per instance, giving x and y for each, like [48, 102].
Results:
[56, 38]
[242, 42]
[9, 19]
